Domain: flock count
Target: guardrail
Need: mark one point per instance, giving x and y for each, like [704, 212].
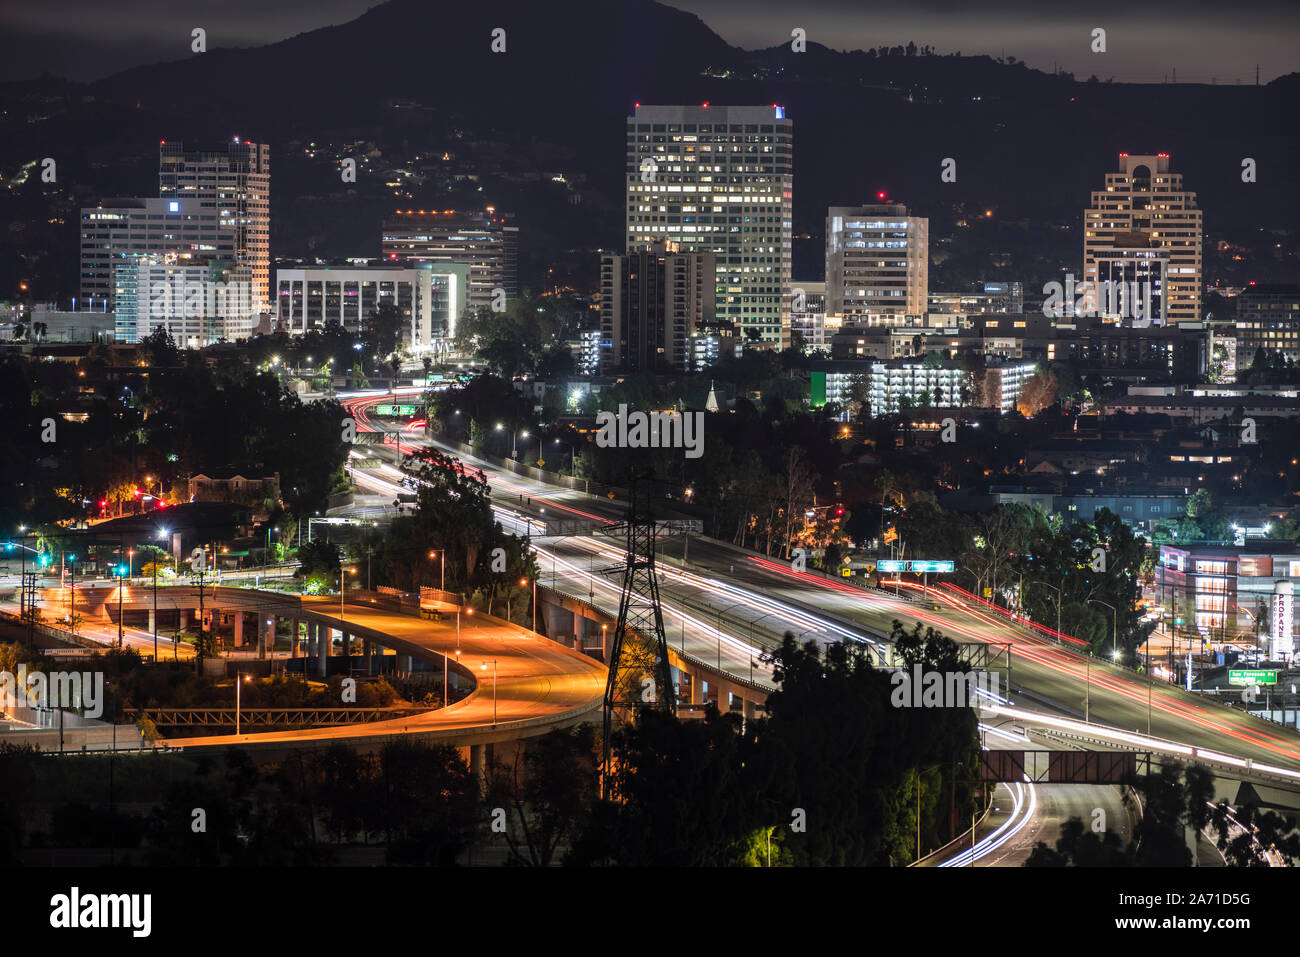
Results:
[293, 717]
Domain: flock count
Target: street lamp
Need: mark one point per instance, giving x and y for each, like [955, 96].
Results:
[469, 613]
[240, 678]
[494, 688]
[573, 457]
[524, 582]
[119, 607]
[1056, 589]
[1114, 618]
[443, 558]
[162, 533]
[351, 571]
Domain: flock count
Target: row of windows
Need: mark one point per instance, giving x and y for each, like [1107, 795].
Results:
[703, 128]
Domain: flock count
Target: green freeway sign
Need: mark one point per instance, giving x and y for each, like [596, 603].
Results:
[930, 566]
[1251, 677]
[395, 409]
[915, 567]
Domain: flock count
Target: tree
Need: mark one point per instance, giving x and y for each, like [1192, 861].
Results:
[1037, 393]
[318, 565]
[548, 788]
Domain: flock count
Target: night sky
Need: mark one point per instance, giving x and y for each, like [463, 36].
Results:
[1200, 39]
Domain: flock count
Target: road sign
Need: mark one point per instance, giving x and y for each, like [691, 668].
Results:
[930, 566]
[916, 567]
[395, 409]
[1251, 677]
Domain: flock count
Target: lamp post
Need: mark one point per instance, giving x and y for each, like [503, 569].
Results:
[524, 582]
[469, 613]
[442, 552]
[72, 609]
[162, 533]
[119, 607]
[1087, 687]
[1114, 635]
[1056, 589]
[240, 678]
[494, 688]
[573, 457]
[350, 571]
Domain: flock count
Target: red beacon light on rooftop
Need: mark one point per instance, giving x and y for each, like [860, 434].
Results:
[880, 195]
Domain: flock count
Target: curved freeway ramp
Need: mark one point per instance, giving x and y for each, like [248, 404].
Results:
[539, 684]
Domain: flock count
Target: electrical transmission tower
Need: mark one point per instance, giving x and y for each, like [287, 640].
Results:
[638, 657]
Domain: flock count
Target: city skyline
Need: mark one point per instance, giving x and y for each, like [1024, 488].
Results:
[511, 437]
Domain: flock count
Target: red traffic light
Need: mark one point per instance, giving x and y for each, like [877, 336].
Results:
[839, 511]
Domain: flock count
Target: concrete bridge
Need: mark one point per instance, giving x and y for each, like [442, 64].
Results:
[524, 684]
[699, 682]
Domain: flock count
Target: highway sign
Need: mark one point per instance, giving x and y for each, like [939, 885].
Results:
[930, 566]
[916, 567]
[1246, 676]
[395, 409]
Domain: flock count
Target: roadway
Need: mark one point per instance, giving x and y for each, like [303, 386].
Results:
[524, 684]
[756, 595]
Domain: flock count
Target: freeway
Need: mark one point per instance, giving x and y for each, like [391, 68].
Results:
[524, 684]
[731, 604]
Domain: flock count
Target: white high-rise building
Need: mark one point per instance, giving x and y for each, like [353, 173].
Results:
[1144, 207]
[198, 301]
[234, 182]
[877, 265]
[719, 179]
[213, 205]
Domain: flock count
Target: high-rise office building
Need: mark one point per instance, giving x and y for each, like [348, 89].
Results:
[197, 300]
[213, 204]
[119, 229]
[1144, 207]
[481, 241]
[719, 179]
[233, 181]
[877, 265]
[652, 301]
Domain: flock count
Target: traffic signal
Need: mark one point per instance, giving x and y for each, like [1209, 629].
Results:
[839, 511]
